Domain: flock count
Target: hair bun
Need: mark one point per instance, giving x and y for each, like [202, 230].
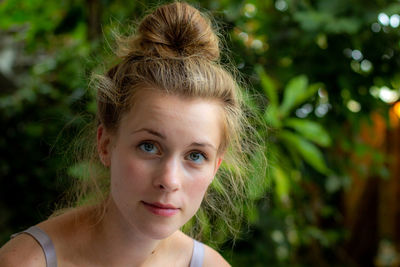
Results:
[176, 30]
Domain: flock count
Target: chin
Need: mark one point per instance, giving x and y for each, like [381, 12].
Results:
[159, 233]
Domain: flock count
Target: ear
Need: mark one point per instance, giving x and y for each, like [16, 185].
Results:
[104, 145]
[218, 163]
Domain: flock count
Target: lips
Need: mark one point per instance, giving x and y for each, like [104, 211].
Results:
[166, 210]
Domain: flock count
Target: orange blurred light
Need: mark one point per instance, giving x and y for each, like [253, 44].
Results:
[396, 109]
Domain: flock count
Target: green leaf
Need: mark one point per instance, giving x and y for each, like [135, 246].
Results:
[296, 92]
[282, 183]
[310, 91]
[293, 91]
[311, 130]
[272, 116]
[267, 85]
[310, 153]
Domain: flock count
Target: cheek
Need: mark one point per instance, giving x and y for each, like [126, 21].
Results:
[196, 189]
[128, 174]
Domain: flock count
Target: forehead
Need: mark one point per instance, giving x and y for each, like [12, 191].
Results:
[158, 99]
[151, 107]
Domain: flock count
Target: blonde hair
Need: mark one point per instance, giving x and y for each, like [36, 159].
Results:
[176, 50]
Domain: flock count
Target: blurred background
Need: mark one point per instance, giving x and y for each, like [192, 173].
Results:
[327, 77]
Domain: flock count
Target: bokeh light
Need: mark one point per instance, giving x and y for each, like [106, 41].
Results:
[304, 110]
[388, 95]
[244, 36]
[396, 109]
[353, 106]
[383, 19]
[356, 55]
[366, 65]
[394, 21]
[257, 44]
[250, 10]
[375, 27]
[281, 5]
[322, 109]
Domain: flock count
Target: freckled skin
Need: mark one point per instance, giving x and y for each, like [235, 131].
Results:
[165, 151]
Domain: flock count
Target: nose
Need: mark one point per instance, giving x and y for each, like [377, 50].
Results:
[169, 175]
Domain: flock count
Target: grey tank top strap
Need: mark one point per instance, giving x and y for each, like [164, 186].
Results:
[45, 242]
[197, 255]
[50, 253]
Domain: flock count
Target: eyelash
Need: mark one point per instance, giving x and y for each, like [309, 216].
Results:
[204, 155]
[201, 153]
[148, 142]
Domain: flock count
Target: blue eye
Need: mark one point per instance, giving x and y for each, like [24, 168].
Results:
[148, 147]
[197, 157]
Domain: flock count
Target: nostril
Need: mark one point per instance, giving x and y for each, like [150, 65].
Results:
[168, 176]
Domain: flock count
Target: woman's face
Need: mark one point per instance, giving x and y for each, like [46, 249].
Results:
[162, 159]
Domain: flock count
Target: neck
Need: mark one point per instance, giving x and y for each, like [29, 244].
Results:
[117, 243]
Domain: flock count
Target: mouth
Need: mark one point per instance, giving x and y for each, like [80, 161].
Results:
[165, 210]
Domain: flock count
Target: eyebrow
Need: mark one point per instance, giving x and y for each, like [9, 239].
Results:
[203, 145]
[155, 133]
[150, 132]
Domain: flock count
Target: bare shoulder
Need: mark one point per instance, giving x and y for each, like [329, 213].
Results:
[22, 250]
[213, 258]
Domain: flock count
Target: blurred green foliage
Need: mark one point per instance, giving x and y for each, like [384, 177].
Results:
[320, 69]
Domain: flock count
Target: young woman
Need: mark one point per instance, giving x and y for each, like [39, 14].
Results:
[168, 115]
